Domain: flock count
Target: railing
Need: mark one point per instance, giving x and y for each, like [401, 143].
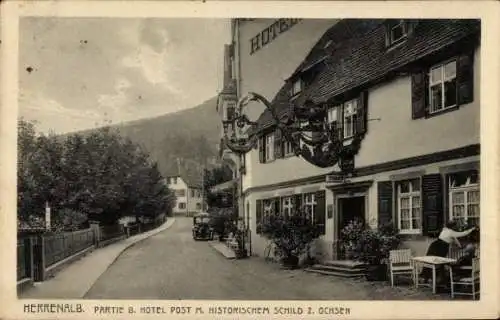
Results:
[111, 232]
[133, 229]
[58, 247]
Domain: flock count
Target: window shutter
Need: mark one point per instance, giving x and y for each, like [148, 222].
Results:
[258, 214]
[340, 122]
[385, 200]
[446, 197]
[262, 141]
[362, 113]
[334, 127]
[319, 215]
[465, 78]
[418, 95]
[432, 204]
[278, 146]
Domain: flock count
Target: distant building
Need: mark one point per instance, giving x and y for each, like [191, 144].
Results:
[188, 193]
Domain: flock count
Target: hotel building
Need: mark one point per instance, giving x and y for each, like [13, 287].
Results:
[404, 94]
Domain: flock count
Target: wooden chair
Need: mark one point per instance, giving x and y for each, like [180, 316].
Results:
[472, 281]
[400, 264]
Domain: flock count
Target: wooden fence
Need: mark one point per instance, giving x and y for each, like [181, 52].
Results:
[111, 232]
[40, 254]
[58, 247]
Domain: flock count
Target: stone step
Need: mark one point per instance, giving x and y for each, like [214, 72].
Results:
[335, 268]
[223, 249]
[335, 273]
[345, 263]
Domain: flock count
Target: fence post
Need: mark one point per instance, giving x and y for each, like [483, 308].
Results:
[42, 258]
[94, 225]
[31, 261]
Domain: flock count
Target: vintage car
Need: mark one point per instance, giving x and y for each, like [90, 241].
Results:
[202, 229]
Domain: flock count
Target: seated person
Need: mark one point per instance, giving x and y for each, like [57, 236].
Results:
[464, 261]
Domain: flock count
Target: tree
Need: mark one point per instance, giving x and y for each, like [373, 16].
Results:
[98, 174]
[213, 177]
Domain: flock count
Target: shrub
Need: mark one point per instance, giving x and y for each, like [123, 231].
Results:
[292, 234]
[369, 245]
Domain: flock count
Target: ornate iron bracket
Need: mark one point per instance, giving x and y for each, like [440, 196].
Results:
[323, 149]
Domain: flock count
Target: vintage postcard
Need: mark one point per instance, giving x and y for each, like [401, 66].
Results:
[271, 160]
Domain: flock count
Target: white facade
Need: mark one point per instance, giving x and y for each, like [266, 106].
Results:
[188, 199]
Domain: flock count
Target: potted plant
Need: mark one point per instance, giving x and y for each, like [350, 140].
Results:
[374, 247]
[292, 235]
[350, 236]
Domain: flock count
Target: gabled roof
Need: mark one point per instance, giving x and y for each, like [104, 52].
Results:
[191, 180]
[357, 56]
[228, 185]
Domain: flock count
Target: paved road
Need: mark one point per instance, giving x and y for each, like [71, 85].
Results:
[170, 265]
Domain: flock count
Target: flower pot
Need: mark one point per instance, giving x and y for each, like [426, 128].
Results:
[290, 262]
[376, 272]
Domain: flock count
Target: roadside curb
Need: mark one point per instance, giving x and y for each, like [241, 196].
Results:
[128, 246]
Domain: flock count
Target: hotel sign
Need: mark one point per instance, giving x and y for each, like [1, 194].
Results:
[337, 177]
[270, 33]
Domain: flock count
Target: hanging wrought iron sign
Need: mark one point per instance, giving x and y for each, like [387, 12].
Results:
[307, 129]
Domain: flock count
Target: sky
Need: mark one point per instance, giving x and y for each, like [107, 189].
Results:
[78, 73]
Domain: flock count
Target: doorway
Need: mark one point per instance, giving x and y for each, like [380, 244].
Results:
[349, 208]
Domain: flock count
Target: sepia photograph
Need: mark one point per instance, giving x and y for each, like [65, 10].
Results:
[248, 159]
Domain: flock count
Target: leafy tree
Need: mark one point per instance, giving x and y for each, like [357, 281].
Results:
[99, 175]
[213, 177]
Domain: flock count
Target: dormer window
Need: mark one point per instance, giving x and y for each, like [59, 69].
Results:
[397, 32]
[297, 87]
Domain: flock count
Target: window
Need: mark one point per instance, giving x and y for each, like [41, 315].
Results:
[296, 88]
[230, 110]
[309, 204]
[192, 193]
[397, 32]
[409, 206]
[198, 193]
[182, 205]
[198, 206]
[443, 86]
[268, 206]
[287, 147]
[287, 206]
[269, 147]
[464, 197]
[348, 114]
[180, 193]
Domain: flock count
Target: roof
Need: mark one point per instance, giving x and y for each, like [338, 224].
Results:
[223, 186]
[357, 56]
[190, 179]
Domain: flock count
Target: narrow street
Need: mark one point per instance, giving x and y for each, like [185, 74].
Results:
[171, 265]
